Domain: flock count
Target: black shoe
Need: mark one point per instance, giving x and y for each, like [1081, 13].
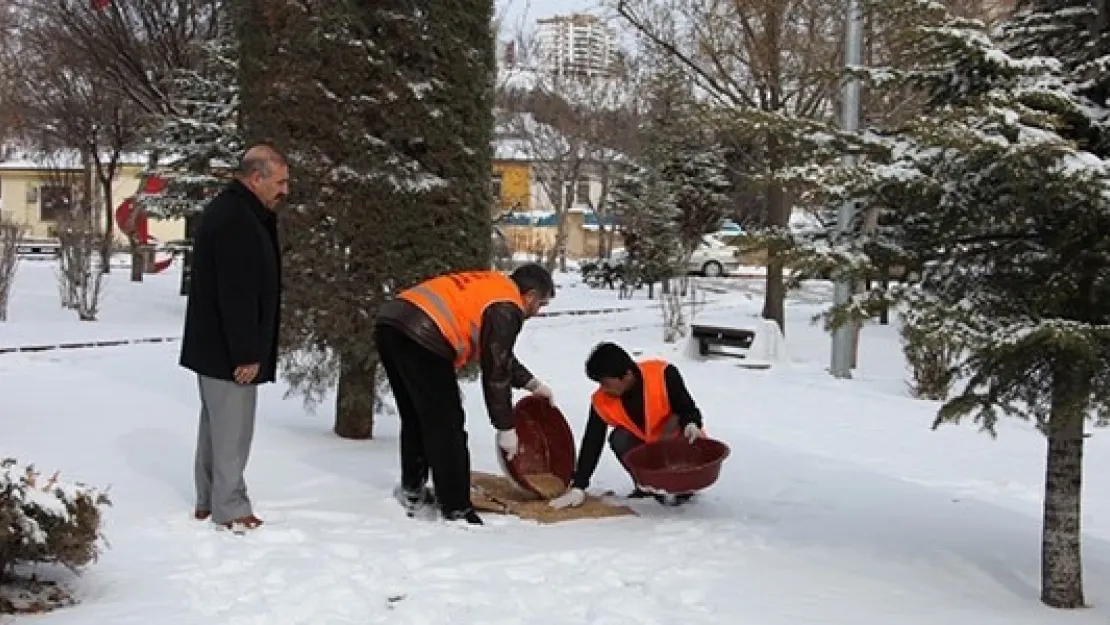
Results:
[468, 515]
[674, 500]
[639, 494]
[413, 500]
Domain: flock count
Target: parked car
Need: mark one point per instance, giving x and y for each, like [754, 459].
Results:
[712, 258]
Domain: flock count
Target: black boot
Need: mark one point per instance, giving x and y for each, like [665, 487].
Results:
[468, 515]
[413, 500]
[674, 500]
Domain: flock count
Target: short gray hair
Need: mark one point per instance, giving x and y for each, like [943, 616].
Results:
[260, 158]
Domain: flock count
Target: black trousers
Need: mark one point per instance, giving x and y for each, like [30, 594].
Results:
[433, 423]
[622, 441]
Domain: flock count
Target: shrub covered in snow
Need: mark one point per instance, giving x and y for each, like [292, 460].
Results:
[46, 521]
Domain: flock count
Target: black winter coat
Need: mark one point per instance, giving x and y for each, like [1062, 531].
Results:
[501, 371]
[233, 311]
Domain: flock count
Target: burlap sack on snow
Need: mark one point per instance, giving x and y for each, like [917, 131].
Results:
[496, 494]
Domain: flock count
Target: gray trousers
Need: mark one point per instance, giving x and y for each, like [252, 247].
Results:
[223, 446]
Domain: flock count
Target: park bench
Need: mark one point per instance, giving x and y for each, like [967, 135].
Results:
[758, 345]
[710, 336]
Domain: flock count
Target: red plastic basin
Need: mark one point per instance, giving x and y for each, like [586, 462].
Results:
[546, 444]
[676, 466]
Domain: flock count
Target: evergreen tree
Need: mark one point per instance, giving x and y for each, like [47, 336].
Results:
[1002, 194]
[385, 109]
[195, 134]
[697, 172]
[643, 203]
[199, 133]
[681, 143]
[680, 190]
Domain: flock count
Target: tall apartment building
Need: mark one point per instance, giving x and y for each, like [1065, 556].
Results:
[578, 44]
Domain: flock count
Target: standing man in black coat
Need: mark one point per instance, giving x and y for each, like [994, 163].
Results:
[231, 328]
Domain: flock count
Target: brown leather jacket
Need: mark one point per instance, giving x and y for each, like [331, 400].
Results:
[501, 371]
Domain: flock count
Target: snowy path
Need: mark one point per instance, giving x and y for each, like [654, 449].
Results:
[788, 536]
[838, 505]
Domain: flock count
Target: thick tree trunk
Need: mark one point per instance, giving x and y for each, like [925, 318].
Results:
[1061, 561]
[354, 402]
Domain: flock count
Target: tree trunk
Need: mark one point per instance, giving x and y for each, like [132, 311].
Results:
[558, 254]
[109, 225]
[774, 299]
[1061, 561]
[136, 258]
[884, 312]
[354, 402]
[854, 361]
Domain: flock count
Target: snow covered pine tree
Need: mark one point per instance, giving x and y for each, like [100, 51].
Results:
[644, 206]
[1002, 190]
[198, 134]
[384, 109]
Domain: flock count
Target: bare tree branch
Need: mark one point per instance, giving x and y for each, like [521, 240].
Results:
[136, 43]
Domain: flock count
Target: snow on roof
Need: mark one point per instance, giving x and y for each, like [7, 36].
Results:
[511, 149]
[519, 78]
[24, 159]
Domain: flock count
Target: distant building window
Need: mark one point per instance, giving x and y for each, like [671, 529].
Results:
[55, 202]
[582, 193]
[498, 201]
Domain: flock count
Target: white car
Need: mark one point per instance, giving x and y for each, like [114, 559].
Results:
[712, 259]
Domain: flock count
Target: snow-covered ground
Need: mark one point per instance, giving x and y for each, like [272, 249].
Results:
[837, 505]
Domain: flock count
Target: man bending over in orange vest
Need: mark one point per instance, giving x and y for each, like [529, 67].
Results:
[423, 337]
[643, 402]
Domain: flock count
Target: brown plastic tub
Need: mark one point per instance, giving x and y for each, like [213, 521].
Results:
[676, 466]
[546, 445]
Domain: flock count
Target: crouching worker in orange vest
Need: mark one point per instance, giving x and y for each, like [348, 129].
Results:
[643, 402]
[423, 337]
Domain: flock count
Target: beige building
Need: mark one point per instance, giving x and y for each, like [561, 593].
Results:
[536, 238]
[35, 191]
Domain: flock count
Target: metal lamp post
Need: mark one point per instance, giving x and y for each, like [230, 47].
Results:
[841, 360]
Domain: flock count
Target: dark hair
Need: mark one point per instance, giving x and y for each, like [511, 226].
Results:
[533, 277]
[608, 360]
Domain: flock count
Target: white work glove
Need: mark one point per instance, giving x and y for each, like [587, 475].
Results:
[508, 442]
[570, 499]
[692, 433]
[537, 387]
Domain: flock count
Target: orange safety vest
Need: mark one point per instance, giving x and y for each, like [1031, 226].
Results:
[456, 301]
[657, 408]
